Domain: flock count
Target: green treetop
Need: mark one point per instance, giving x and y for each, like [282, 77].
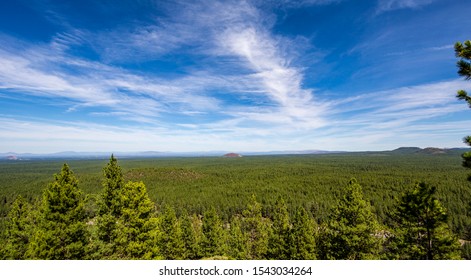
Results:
[302, 237]
[463, 51]
[170, 241]
[61, 230]
[18, 230]
[112, 185]
[351, 233]
[189, 237]
[421, 231]
[237, 240]
[257, 229]
[279, 236]
[136, 227]
[110, 208]
[213, 239]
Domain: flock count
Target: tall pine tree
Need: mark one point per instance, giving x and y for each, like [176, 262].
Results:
[61, 231]
[110, 208]
[351, 232]
[18, 230]
[170, 241]
[237, 240]
[189, 238]
[302, 243]
[136, 228]
[421, 231]
[257, 229]
[213, 237]
[278, 245]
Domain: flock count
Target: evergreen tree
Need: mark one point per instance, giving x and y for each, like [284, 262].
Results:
[170, 241]
[237, 240]
[257, 229]
[189, 238]
[110, 207]
[421, 230]
[18, 230]
[352, 228]
[212, 241]
[112, 185]
[302, 237]
[61, 230]
[463, 51]
[278, 245]
[136, 227]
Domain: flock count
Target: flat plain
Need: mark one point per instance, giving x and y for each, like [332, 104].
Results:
[312, 181]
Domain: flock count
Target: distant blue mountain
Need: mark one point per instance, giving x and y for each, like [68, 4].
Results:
[154, 154]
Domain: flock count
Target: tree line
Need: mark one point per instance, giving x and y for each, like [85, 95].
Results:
[128, 225]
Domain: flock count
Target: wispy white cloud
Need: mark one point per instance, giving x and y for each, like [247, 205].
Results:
[49, 136]
[390, 5]
[418, 99]
[397, 115]
[239, 34]
[388, 119]
[247, 94]
[277, 79]
[38, 71]
[297, 4]
[22, 75]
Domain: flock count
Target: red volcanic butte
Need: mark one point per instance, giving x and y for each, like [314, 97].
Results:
[232, 155]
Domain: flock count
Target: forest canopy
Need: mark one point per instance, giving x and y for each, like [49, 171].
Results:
[122, 221]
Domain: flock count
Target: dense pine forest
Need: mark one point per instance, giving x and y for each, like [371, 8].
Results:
[401, 205]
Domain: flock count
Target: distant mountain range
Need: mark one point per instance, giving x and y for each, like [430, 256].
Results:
[154, 154]
[429, 151]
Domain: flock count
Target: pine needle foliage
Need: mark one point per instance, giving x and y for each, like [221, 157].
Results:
[61, 231]
[257, 228]
[170, 243]
[352, 229]
[19, 230]
[302, 243]
[421, 229]
[136, 227]
[463, 51]
[213, 236]
[279, 239]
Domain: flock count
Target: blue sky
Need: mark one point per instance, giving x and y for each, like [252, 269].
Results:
[231, 75]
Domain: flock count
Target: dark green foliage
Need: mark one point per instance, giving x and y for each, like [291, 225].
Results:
[19, 230]
[106, 233]
[126, 227]
[302, 243]
[237, 240]
[136, 227]
[190, 247]
[463, 51]
[279, 239]
[352, 229]
[257, 229]
[110, 208]
[192, 185]
[112, 186]
[61, 232]
[170, 243]
[213, 239]
[195, 184]
[420, 229]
